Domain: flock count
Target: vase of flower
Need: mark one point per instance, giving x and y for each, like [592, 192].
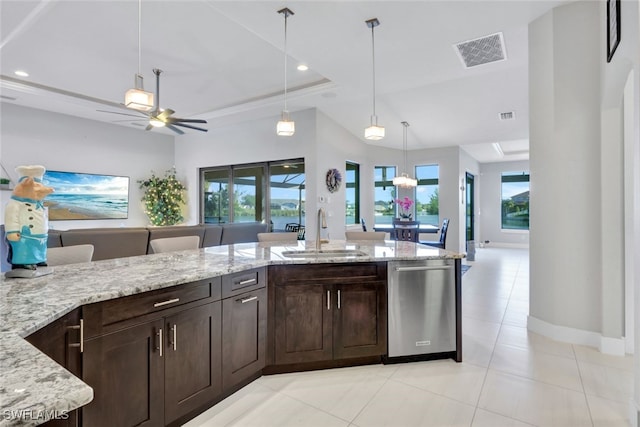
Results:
[404, 208]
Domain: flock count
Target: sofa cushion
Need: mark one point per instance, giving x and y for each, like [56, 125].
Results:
[54, 240]
[109, 242]
[242, 232]
[175, 231]
[212, 235]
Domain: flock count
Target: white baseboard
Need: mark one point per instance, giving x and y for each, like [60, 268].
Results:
[607, 345]
[505, 245]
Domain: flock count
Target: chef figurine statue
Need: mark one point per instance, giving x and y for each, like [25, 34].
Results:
[26, 224]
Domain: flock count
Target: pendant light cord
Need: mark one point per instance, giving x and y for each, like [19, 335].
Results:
[286, 15]
[139, 34]
[373, 62]
[404, 144]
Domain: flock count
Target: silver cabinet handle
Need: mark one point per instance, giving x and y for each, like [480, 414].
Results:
[159, 333]
[246, 300]
[81, 328]
[169, 301]
[246, 282]
[328, 300]
[338, 299]
[424, 268]
[174, 329]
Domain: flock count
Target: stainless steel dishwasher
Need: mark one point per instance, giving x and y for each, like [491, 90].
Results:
[422, 307]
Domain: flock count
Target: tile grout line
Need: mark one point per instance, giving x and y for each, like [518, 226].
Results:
[486, 374]
[584, 391]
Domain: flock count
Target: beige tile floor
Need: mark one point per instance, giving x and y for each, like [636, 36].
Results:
[509, 377]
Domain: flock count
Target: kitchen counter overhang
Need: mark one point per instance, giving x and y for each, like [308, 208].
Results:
[34, 387]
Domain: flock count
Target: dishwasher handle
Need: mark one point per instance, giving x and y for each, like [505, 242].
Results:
[425, 268]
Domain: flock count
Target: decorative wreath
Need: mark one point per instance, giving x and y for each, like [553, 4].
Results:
[334, 179]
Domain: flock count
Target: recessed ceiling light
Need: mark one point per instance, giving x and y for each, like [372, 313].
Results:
[302, 67]
[21, 73]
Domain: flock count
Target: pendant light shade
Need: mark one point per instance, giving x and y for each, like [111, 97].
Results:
[285, 127]
[404, 181]
[137, 98]
[374, 132]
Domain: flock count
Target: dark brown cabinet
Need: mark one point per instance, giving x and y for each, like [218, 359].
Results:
[60, 340]
[328, 312]
[126, 370]
[192, 365]
[244, 326]
[155, 357]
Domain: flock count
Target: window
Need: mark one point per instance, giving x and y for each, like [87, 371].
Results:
[515, 200]
[352, 190]
[248, 193]
[384, 194]
[427, 197]
[242, 193]
[287, 194]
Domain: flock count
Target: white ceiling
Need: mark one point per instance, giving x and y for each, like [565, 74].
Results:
[223, 61]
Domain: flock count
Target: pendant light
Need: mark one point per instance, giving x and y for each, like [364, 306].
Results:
[374, 132]
[403, 181]
[285, 127]
[137, 98]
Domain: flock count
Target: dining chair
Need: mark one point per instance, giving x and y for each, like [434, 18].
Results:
[69, 254]
[443, 236]
[364, 226]
[170, 244]
[408, 231]
[365, 235]
[289, 236]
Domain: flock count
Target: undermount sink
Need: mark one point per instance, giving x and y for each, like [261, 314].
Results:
[326, 253]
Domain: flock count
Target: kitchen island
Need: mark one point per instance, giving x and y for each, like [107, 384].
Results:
[33, 387]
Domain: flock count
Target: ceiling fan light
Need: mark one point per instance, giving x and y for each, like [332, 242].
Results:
[138, 99]
[374, 132]
[156, 123]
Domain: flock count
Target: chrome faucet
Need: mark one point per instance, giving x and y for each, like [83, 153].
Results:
[322, 221]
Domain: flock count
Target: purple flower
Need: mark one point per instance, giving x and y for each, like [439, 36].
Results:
[405, 204]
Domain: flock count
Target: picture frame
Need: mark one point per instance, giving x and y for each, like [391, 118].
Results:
[79, 196]
[613, 27]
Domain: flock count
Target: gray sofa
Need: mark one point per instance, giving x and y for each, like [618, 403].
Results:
[131, 241]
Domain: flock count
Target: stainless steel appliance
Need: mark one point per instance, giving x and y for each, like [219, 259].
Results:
[422, 307]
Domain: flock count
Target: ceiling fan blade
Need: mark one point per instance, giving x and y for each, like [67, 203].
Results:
[175, 129]
[149, 127]
[122, 114]
[164, 114]
[177, 120]
[190, 127]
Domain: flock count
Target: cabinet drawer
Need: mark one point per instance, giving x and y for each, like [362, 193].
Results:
[110, 312]
[244, 281]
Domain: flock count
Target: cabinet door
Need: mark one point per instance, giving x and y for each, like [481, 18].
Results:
[303, 322]
[244, 333]
[60, 341]
[126, 372]
[192, 359]
[360, 322]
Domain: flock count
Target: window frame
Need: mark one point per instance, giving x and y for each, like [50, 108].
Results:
[356, 185]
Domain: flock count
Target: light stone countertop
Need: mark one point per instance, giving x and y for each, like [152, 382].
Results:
[32, 385]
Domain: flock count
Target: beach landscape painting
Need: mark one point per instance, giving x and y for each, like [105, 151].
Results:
[86, 196]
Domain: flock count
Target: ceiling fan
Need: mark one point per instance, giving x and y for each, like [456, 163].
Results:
[159, 117]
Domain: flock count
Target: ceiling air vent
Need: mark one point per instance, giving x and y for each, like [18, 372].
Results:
[509, 115]
[482, 50]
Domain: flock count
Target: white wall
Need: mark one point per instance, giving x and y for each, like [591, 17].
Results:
[490, 203]
[577, 183]
[66, 143]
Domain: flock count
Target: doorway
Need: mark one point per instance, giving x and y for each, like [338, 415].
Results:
[470, 207]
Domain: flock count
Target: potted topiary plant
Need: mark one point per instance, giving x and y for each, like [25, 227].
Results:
[163, 198]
